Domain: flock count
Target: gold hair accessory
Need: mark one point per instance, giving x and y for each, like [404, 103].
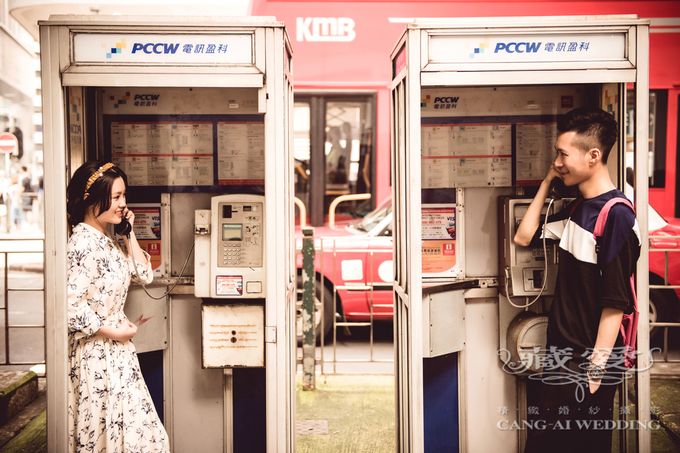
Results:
[95, 176]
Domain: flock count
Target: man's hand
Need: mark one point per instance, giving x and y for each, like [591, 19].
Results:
[530, 222]
[593, 385]
[552, 174]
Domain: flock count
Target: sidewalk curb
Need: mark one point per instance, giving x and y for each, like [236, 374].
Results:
[671, 423]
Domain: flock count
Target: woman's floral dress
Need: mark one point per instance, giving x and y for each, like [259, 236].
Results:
[109, 406]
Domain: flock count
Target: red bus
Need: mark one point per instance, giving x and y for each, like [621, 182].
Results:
[342, 70]
[341, 126]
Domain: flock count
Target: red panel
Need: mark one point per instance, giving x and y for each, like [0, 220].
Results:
[364, 61]
[664, 63]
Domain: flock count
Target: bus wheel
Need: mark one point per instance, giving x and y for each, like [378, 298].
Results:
[662, 308]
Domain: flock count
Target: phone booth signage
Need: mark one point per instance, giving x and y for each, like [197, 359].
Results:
[196, 112]
[475, 104]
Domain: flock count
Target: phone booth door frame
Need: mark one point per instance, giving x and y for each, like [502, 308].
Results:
[269, 69]
[422, 58]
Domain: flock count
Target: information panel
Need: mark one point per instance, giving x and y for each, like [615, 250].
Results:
[534, 153]
[187, 150]
[488, 136]
[240, 153]
[467, 155]
[164, 153]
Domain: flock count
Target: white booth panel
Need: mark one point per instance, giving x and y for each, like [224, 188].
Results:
[196, 401]
[504, 77]
[152, 335]
[483, 220]
[486, 390]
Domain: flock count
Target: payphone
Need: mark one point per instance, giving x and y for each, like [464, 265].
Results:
[229, 258]
[229, 266]
[526, 275]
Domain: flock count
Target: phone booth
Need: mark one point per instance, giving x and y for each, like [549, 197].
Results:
[197, 112]
[475, 104]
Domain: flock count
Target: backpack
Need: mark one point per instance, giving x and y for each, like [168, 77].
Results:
[629, 323]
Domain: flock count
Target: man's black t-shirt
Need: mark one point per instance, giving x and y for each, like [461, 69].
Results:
[590, 278]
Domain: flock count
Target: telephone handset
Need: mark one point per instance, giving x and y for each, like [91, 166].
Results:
[123, 228]
[558, 190]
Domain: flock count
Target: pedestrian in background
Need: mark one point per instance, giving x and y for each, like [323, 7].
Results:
[109, 406]
[15, 200]
[27, 194]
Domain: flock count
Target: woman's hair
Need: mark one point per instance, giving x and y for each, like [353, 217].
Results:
[90, 188]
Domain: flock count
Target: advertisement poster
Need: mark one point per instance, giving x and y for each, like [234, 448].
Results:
[147, 228]
[439, 239]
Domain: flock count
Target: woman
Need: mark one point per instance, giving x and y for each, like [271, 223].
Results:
[109, 408]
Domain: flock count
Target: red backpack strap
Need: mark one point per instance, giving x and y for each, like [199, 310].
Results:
[604, 212]
[629, 322]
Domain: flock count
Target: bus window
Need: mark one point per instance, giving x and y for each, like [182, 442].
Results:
[348, 149]
[658, 119]
[334, 136]
[301, 150]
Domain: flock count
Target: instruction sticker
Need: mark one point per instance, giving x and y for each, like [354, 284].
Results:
[229, 285]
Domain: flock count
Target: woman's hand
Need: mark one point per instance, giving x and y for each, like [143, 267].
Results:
[130, 216]
[122, 333]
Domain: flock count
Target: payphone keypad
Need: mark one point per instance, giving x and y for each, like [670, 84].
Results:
[240, 238]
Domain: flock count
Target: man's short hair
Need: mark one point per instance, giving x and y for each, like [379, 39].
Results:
[595, 128]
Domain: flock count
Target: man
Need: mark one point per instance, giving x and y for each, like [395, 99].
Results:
[592, 293]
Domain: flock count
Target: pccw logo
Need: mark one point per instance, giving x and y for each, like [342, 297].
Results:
[138, 100]
[517, 47]
[445, 102]
[159, 48]
[116, 50]
[325, 29]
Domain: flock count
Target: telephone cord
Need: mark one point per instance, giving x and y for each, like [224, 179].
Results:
[181, 274]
